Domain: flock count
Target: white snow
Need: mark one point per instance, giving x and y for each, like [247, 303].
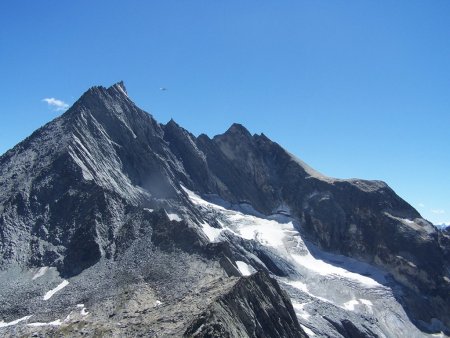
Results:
[366, 302]
[119, 87]
[14, 322]
[323, 268]
[308, 331]
[40, 272]
[303, 287]
[174, 217]
[325, 277]
[197, 200]
[276, 233]
[211, 232]
[83, 311]
[299, 309]
[57, 322]
[299, 285]
[50, 293]
[148, 209]
[439, 335]
[158, 303]
[350, 305]
[267, 232]
[244, 268]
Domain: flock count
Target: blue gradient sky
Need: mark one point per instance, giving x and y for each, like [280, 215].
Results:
[354, 88]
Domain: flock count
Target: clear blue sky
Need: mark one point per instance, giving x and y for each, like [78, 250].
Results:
[354, 88]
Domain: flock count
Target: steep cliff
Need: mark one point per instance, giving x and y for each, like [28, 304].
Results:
[107, 208]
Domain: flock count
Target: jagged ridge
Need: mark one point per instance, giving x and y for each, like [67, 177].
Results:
[71, 192]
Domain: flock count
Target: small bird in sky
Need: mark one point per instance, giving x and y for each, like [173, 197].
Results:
[163, 89]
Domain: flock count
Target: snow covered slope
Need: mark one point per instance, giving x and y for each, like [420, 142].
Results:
[98, 208]
[329, 292]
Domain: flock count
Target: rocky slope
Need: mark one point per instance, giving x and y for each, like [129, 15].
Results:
[148, 229]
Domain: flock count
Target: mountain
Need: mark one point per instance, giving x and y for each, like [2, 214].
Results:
[443, 225]
[112, 224]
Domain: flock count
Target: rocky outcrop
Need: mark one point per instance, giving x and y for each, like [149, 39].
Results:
[254, 307]
[103, 184]
[357, 218]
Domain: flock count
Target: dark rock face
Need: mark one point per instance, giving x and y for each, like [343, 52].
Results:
[102, 184]
[348, 329]
[254, 307]
[358, 218]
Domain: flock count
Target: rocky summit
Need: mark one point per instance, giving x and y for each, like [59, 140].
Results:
[114, 225]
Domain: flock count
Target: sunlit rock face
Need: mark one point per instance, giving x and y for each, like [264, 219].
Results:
[113, 224]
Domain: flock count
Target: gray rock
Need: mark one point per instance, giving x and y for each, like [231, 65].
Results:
[254, 307]
[97, 195]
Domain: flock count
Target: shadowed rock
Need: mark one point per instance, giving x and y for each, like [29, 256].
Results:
[95, 187]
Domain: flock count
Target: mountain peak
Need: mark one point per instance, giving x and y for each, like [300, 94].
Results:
[120, 86]
[96, 93]
[84, 196]
[172, 123]
[238, 129]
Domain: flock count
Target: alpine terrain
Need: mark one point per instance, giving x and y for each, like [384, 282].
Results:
[114, 225]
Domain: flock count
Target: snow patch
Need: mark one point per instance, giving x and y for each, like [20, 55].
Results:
[197, 200]
[347, 283]
[119, 87]
[299, 285]
[323, 268]
[276, 232]
[211, 232]
[366, 302]
[174, 217]
[50, 293]
[300, 311]
[303, 287]
[308, 331]
[267, 232]
[83, 311]
[439, 335]
[14, 322]
[244, 268]
[345, 267]
[350, 305]
[57, 322]
[40, 272]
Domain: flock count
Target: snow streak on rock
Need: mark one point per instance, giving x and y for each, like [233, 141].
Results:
[346, 288]
[50, 293]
